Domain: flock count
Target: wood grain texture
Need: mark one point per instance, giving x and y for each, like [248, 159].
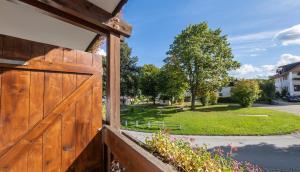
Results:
[129, 153]
[35, 156]
[52, 148]
[39, 103]
[83, 14]
[84, 58]
[83, 123]
[113, 81]
[53, 54]
[69, 56]
[14, 106]
[16, 48]
[68, 123]
[22, 146]
[53, 91]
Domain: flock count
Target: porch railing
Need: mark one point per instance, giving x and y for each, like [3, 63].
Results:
[123, 154]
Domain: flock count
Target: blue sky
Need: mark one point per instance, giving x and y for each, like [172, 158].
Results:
[263, 34]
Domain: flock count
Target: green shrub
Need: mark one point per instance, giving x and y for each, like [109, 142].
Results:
[181, 155]
[205, 98]
[268, 90]
[214, 97]
[284, 92]
[246, 92]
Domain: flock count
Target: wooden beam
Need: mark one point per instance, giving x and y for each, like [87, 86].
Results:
[113, 81]
[83, 14]
[119, 7]
[53, 67]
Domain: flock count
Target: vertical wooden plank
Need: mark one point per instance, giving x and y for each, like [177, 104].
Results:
[84, 58]
[35, 156]
[97, 107]
[113, 81]
[36, 108]
[53, 54]
[52, 148]
[97, 61]
[69, 56]
[20, 164]
[14, 107]
[83, 111]
[53, 91]
[68, 124]
[36, 97]
[16, 48]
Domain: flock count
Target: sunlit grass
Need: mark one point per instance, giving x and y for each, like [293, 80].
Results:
[213, 120]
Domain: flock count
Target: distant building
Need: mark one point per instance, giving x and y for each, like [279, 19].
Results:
[225, 91]
[288, 77]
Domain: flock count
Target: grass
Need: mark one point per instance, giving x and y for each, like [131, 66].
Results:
[221, 119]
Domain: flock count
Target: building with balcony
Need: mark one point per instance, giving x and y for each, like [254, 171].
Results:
[288, 77]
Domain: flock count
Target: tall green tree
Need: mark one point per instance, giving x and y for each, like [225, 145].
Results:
[129, 72]
[204, 56]
[172, 83]
[149, 82]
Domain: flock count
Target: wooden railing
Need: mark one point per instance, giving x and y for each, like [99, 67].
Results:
[125, 155]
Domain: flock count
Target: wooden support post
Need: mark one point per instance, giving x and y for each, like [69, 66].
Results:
[113, 81]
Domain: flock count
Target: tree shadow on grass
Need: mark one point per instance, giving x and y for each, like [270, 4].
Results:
[269, 157]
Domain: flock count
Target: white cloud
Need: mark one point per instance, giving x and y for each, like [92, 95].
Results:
[289, 36]
[253, 37]
[248, 71]
[101, 52]
[287, 59]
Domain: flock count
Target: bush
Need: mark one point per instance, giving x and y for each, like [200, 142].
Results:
[214, 97]
[268, 90]
[246, 92]
[181, 155]
[205, 98]
[284, 92]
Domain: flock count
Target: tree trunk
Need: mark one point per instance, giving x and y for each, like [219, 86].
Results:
[153, 101]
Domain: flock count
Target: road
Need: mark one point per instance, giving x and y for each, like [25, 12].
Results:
[283, 106]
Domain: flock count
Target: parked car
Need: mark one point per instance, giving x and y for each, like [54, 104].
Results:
[293, 98]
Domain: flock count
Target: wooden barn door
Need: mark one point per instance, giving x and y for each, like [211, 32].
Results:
[50, 107]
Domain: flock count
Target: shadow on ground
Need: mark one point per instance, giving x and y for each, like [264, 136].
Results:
[270, 157]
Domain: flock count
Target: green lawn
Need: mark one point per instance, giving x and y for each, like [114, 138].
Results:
[213, 120]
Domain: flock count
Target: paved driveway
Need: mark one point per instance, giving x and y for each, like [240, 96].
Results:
[274, 153]
[283, 106]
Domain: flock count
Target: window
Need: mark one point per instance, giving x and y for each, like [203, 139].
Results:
[296, 87]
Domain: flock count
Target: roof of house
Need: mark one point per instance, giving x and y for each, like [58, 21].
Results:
[281, 70]
[288, 67]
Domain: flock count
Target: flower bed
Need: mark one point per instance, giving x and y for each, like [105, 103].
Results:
[183, 157]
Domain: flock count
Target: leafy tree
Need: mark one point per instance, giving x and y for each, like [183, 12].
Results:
[129, 74]
[268, 90]
[246, 92]
[204, 56]
[149, 82]
[172, 83]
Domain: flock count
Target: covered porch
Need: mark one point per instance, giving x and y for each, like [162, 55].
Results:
[51, 88]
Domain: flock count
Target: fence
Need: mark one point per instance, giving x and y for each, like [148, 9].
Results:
[152, 124]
